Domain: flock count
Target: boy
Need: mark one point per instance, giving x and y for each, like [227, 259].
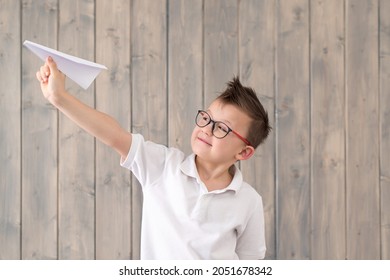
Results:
[195, 207]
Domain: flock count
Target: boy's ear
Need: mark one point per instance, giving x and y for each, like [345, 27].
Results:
[246, 153]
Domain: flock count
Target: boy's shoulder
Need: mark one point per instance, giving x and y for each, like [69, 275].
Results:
[250, 192]
[150, 152]
[139, 140]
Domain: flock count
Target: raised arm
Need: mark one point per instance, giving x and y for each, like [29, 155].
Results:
[98, 124]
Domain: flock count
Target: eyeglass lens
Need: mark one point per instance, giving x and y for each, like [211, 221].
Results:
[219, 129]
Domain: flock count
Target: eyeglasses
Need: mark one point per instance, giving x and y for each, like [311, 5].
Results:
[219, 129]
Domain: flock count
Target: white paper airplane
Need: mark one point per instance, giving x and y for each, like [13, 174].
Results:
[82, 71]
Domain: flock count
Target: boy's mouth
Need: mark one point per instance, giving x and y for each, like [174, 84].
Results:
[204, 141]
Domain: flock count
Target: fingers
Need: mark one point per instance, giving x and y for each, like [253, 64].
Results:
[44, 73]
[39, 78]
[50, 67]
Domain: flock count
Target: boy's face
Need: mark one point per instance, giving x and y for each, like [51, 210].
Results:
[226, 150]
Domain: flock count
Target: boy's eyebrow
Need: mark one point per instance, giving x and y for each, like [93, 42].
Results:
[224, 121]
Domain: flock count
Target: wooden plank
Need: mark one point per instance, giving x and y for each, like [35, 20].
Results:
[327, 130]
[113, 196]
[293, 131]
[39, 139]
[10, 150]
[257, 68]
[76, 147]
[149, 86]
[363, 225]
[220, 46]
[185, 70]
[384, 48]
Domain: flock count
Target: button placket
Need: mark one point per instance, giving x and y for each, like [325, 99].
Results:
[201, 207]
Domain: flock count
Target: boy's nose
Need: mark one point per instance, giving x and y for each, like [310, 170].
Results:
[208, 129]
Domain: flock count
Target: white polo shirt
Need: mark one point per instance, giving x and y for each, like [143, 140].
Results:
[182, 220]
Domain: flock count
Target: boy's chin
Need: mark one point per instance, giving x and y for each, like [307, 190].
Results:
[199, 153]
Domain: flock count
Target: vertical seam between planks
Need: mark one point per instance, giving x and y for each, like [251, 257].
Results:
[130, 128]
[238, 40]
[345, 133]
[21, 132]
[275, 129]
[276, 115]
[58, 145]
[203, 53]
[379, 130]
[167, 69]
[310, 133]
[240, 166]
[94, 139]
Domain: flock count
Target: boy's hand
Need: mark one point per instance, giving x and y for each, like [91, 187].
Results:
[51, 79]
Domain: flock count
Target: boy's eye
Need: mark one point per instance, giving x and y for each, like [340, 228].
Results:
[204, 116]
[222, 128]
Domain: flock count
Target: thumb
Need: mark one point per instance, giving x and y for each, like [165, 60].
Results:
[52, 65]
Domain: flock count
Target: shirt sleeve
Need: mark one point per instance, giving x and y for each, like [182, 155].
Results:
[251, 242]
[146, 160]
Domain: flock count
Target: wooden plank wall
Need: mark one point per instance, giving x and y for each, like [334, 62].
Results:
[321, 68]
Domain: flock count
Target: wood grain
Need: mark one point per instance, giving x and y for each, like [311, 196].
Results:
[39, 139]
[220, 46]
[362, 169]
[293, 135]
[76, 148]
[185, 70]
[148, 86]
[327, 130]
[384, 101]
[113, 193]
[10, 132]
[257, 68]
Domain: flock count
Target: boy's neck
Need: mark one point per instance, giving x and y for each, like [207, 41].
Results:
[215, 177]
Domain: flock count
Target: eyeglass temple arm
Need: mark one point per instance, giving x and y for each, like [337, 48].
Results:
[242, 138]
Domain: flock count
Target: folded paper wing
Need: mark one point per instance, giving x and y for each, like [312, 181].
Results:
[82, 71]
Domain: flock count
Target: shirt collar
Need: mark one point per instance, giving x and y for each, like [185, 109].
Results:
[188, 167]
